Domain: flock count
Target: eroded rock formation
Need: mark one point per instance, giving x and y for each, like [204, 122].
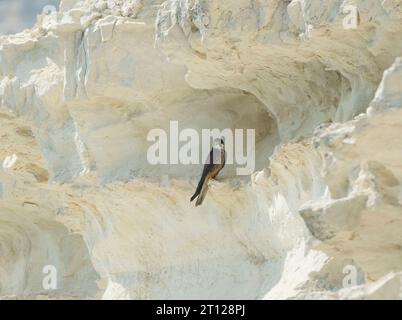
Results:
[81, 90]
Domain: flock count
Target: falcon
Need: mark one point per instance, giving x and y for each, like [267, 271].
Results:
[214, 164]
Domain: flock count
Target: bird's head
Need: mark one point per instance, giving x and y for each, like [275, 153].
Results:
[219, 142]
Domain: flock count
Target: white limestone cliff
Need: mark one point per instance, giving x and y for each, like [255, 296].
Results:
[319, 218]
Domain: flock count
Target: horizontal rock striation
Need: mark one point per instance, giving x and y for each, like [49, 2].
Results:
[320, 217]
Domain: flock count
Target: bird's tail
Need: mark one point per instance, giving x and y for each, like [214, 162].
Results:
[194, 196]
[202, 195]
[198, 190]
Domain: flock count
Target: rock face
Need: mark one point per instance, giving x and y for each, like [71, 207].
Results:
[321, 216]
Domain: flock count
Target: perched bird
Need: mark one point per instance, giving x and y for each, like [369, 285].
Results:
[214, 164]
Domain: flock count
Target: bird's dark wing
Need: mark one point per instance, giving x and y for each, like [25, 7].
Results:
[207, 168]
[208, 164]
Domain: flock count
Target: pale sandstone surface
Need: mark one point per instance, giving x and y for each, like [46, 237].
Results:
[80, 91]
